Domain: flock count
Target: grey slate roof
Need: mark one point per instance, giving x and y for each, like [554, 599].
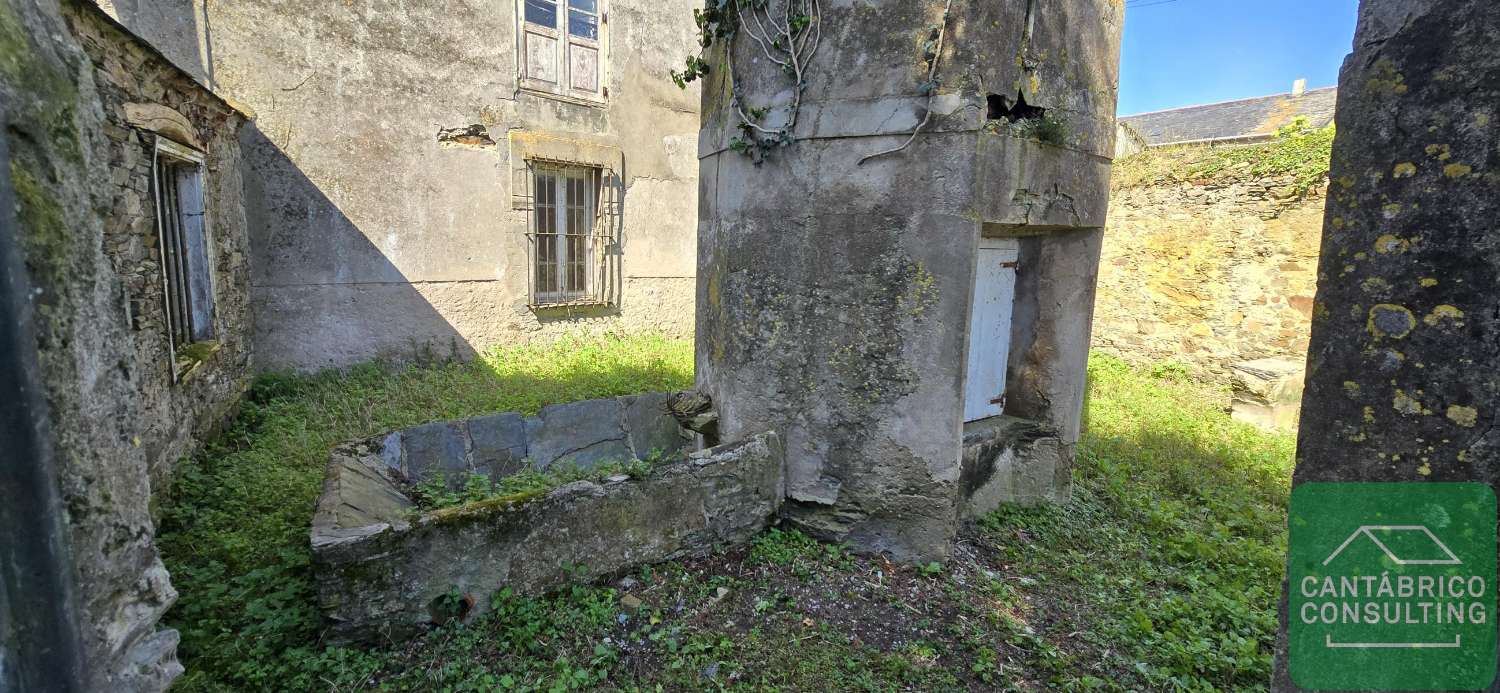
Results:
[1255, 118]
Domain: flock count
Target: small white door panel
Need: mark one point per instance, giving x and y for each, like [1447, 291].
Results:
[989, 327]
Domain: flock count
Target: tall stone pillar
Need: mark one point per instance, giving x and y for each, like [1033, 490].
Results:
[1403, 377]
[834, 289]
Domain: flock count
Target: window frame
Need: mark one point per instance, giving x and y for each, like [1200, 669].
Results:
[189, 300]
[562, 211]
[564, 44]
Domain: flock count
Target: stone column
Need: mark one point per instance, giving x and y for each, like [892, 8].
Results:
[1402, 379]
[834, 289]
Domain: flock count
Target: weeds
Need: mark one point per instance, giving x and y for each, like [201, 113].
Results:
[1298, 149]
[1160, 574]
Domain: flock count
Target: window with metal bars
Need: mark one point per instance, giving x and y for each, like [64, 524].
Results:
[570, 232]
[187, 281]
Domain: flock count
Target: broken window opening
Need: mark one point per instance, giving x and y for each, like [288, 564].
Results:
[183, 236]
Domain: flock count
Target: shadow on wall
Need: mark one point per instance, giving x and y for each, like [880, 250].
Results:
[379, 314]
[174, 27]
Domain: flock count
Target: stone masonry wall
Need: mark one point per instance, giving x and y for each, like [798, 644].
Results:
[145, 97]
[65, 72]
[1208, 274]
[374, 236]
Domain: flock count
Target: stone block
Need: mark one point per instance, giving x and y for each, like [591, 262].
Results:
[651, 429]
[1267, 393]
[498, 444]
[585, 434]
[1012, 460]
[436, 448]
[380, 570]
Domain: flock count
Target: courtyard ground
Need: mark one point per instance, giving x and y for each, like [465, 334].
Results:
[1160, 574]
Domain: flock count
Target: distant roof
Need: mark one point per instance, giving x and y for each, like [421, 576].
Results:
[1245, 119]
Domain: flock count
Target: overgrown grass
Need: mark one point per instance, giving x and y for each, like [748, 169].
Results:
[1298, 149]
[1168, 561]
[234, 534]
[1160, 574]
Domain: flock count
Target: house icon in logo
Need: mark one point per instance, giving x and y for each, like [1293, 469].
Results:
[1368, 531]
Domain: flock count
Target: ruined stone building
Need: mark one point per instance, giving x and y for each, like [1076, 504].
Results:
[425, 181]
[205, 191]
[202, 191]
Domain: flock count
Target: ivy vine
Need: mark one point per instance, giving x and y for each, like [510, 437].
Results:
[787, 32]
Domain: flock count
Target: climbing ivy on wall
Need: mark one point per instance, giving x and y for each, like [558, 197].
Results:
[788, 33]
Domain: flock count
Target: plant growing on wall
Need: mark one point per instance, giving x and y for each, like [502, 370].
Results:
[787, 33]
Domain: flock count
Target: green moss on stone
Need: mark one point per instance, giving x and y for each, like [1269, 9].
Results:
[485, 508]
[44, 230]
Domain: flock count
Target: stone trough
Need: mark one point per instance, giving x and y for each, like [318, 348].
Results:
[386, 569]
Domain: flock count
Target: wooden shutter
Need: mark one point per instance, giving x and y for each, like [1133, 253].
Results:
[540, 45]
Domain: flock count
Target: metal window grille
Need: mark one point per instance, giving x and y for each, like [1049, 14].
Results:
[572, 232]
[177, 179]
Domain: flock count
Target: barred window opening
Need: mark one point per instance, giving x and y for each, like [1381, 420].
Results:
[570, 232]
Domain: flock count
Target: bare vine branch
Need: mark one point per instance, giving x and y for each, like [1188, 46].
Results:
[930, 86]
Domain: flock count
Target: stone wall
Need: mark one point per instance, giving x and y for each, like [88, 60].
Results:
[145, 97]
[384, 568]
[1208, 273]
[376, 231]
[1401, 379]
[115, 420]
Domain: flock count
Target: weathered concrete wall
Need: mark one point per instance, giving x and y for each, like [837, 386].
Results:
[1208, 273]
[834, 296]
[1401, 383]
[383, 569]
[372, 238]
[174, 27]
[74, 167]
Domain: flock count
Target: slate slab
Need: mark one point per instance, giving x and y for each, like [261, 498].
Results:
[498, 444]
[651, 429]
[584, 434]
[436, 448]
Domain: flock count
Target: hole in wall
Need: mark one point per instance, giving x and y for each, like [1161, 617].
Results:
[1001, 108]
[454, 606]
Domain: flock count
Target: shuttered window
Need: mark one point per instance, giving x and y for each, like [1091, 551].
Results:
[183, 236]
[561, 44]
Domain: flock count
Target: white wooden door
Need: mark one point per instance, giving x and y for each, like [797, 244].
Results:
[989, 327]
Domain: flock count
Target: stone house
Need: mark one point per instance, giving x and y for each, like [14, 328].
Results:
[461, 176]
[133, 301]
[455, 180]
[1237, 122]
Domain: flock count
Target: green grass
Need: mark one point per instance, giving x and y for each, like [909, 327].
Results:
[234, 532]
[1297, 150]
[1160, 574]
[1170, 555]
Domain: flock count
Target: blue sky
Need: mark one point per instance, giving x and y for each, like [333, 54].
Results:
[1184, 52]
